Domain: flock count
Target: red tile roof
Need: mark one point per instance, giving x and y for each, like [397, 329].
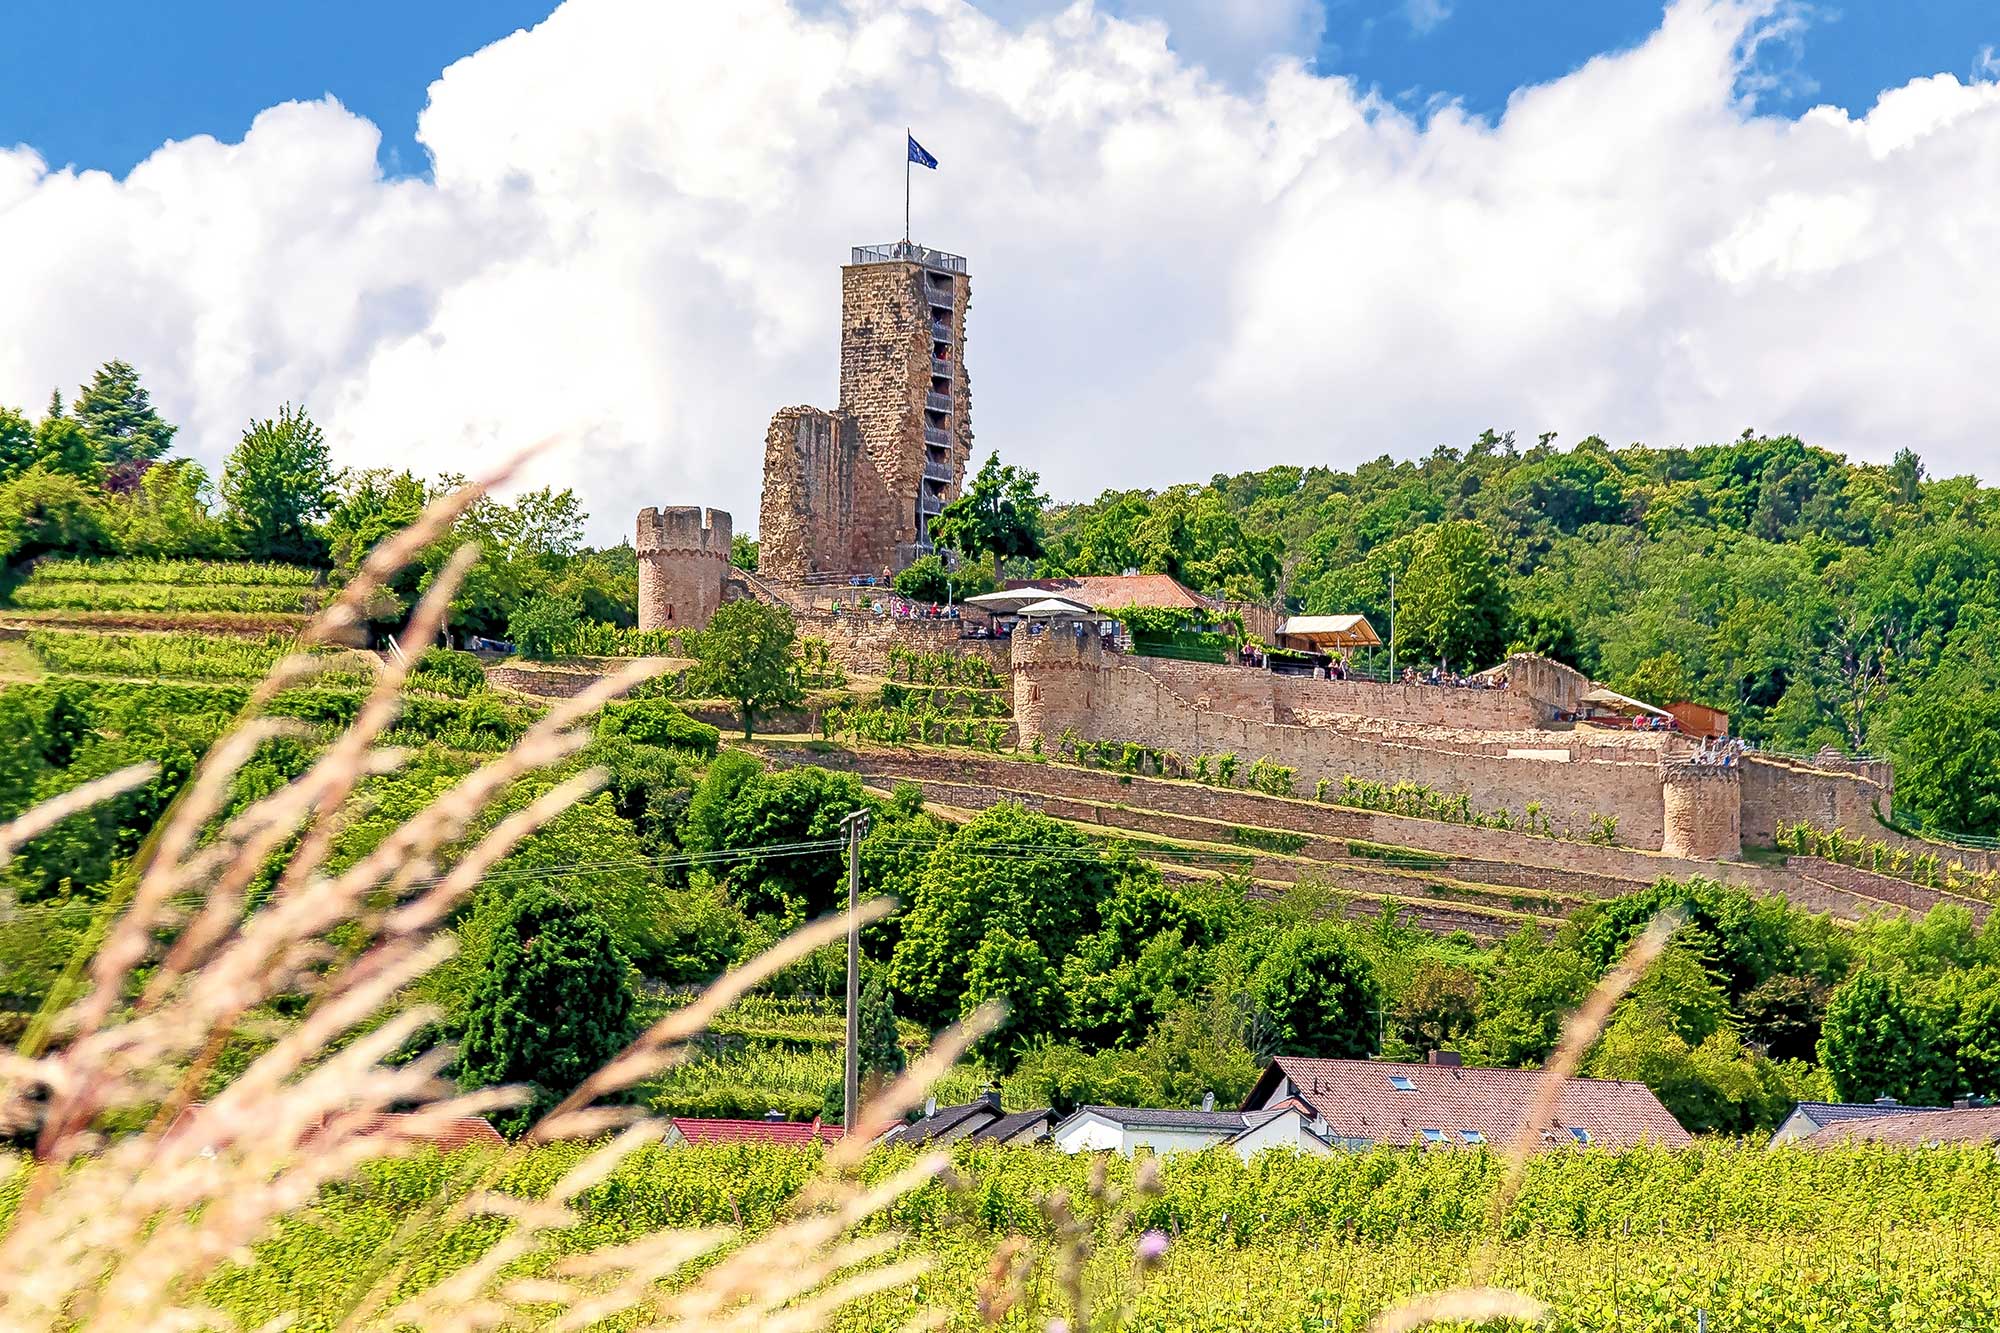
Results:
[450, 1135]
[1358, 1101]
[1112, 592]
[754, 1131]
[1978, 1124]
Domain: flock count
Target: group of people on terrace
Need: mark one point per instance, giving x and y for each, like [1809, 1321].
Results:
[1437, 675]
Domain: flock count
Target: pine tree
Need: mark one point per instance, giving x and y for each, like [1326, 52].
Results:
[551, 1004]
[117, 414]
[881, 1053]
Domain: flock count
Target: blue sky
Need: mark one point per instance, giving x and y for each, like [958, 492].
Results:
[632, 237]
[101, 84]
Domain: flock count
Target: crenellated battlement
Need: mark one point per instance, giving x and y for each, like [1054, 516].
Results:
[684, 529]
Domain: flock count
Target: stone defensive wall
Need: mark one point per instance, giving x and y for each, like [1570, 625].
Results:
[1796, 791]
[861, 641]
[1501, 748]
[1390, 733]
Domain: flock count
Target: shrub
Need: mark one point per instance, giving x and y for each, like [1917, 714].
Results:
[447, 671]
[657, 722]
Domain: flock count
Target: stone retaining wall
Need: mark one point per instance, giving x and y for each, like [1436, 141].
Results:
[1886, 888]
[1009, 778]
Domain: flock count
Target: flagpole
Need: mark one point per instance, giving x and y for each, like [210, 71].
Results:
[907, 136]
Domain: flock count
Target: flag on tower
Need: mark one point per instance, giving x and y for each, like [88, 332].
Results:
[918, 154]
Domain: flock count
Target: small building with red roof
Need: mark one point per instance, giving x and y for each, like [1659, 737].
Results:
[694, 1129]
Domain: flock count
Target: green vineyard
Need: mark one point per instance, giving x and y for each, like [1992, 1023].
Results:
[1638, 1242]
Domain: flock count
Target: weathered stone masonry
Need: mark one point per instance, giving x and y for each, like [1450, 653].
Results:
[1493, 746]
[683, 565]
[853, 490]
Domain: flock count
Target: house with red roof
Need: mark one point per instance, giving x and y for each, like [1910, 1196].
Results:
[773, 1128]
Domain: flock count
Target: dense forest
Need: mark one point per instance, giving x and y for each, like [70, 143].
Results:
[1818, 601]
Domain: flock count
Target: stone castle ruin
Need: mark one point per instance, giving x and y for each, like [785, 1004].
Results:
[849, 491]
[853, 490]
[683, 565]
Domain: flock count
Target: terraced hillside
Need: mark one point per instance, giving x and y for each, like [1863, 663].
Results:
[213, 596]
[1447, 875]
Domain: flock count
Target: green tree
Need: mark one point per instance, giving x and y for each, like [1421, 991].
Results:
[1000, 515]
[743, 552]
[657, 722]
[1146, 956]
[1712, 1085]
[170, 514]
[1451, 604]
[734, 810]
[1949, 770]
[929, 579]
[1437, 1007]
[745, 655]
[43, 512]
[1317, 993]
[544, 628]
[278, 484]
[62, 447]
[551, 1004]
[116, 414]
[18, 450]
[881, 1048]
[1005, 869]
[1881, 1038]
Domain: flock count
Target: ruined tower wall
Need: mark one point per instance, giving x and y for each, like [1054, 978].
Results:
[819, 494]
[683, 561]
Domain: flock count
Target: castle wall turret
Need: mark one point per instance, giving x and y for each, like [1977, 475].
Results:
[1056, 678]
[683, 562]
[1704, 811]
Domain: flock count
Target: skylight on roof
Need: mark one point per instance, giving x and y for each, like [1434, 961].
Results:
[1472, 1136]
[1432, 1135]
[1402, 1083]
[1580, 1134]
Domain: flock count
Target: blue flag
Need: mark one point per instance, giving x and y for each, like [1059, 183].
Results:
[918, 155]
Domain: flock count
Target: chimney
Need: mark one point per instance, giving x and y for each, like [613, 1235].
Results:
[930, 1107]
[992, 1099]
[1447, 1058]
[1887, 1101]
[1208, 1101]
[1961, 1103]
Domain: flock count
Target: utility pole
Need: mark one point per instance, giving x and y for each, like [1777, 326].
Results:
[857, 824]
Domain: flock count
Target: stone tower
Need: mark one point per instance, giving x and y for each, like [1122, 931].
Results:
[853, 491]
[1704, 810]
[683, 563]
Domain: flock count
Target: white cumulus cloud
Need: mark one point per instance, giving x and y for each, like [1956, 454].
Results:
[637, 213]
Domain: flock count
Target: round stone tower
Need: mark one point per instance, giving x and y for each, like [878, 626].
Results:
[1055, 679]
[683, 561]
[1704, 811]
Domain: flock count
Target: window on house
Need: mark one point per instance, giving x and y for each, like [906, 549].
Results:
[1580, 1134]
[1432, 1135]
[1402, 1083]
[1472, 1136]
